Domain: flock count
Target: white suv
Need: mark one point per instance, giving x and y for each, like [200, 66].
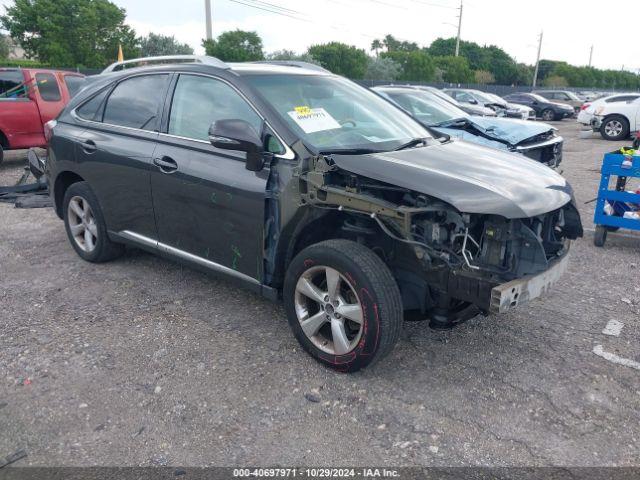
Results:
[615, 117]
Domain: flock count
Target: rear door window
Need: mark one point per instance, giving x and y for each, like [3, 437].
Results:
[135, 102]
[48, 87]
[11, 82]
[74, 84]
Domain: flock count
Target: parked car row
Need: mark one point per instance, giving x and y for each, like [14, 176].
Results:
[358, 211]
[615, 117]
[538, 141]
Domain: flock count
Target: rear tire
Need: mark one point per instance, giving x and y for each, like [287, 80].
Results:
[86, 227]
[1, 154]
[343, 304]
[615, 128]
[600, 237]
[548, 115]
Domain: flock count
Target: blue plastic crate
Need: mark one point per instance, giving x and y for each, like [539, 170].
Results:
[612, 165]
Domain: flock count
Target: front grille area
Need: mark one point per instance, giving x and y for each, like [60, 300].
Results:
[549, 155]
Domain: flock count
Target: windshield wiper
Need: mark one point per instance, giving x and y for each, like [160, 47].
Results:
[413, 143]
[462, 121]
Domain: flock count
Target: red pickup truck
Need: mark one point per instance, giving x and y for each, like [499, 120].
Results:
[29, 98]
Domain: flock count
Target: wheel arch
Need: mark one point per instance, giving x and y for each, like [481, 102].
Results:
[616, 114]
[63, 181]
[313, 226]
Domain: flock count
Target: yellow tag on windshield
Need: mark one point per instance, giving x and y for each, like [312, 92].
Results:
[303, 110]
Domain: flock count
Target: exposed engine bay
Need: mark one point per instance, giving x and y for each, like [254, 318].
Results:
[446, 262]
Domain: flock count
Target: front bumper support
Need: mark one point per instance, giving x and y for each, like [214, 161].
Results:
[511, 294]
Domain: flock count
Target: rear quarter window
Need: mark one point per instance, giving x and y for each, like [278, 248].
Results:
[48, 87]
[74, 83]
[10, 80]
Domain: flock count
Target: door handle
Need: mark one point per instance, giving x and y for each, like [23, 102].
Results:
[166, 164]
[89, 146]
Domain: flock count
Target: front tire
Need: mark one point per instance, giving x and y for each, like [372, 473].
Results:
[1, 154]
[343, 304]
[86, 227]
[614, 128]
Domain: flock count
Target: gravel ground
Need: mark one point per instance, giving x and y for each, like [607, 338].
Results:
[144, 362]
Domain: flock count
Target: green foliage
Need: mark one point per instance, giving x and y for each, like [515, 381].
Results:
[291, 56]
[70, 32]
[555, 81]
[492, 59]
[483, 77]
[454, 69]
[155, 45]
[383, 69]
[394, 45]
[417, 65]
[235, 46]
[586, 77]
[24, 63]
[341, 59]
[376, 46]
[4, 46]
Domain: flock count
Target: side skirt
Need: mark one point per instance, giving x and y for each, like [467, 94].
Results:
[203, 264]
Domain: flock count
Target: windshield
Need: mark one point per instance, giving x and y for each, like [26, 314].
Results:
[425, 107]
[495, 98]
[489, 97]
[331, 113]
[573, 96]
[537, 97]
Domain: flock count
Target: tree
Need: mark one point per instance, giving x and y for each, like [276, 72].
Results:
[454, 69]
[417, 66]
[4, 46]
[155, 45]
[235, 46]
[341, 59]
[392, 44]
[376, 46]
[484, 77]
[555, 81]
[291, 56]
[383, 69]
[70, 32]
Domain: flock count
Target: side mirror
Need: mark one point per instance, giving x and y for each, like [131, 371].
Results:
[473, 101]
[238, 135]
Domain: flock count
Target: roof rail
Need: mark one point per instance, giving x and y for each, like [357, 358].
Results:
[295, 63]
[214, 62]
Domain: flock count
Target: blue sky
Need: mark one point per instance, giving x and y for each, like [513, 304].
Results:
[570, 26]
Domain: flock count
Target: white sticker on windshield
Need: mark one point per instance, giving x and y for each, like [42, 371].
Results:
[313, 120]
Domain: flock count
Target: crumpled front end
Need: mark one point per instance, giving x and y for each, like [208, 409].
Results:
[443, 259]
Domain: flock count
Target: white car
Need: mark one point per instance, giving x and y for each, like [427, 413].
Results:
[615, 117]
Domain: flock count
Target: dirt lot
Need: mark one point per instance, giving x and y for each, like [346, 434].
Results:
[144, 362]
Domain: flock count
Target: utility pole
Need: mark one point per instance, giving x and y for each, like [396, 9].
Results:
[207, 10]
[535, 74]
[459, 30]
[590, 56]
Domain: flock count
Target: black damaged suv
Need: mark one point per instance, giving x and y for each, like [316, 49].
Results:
[302, 185]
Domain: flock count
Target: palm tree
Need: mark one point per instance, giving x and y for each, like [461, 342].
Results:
[376, 45]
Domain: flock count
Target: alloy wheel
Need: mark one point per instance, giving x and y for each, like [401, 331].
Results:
[82, 224]
[329, 311]
[613, 128]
